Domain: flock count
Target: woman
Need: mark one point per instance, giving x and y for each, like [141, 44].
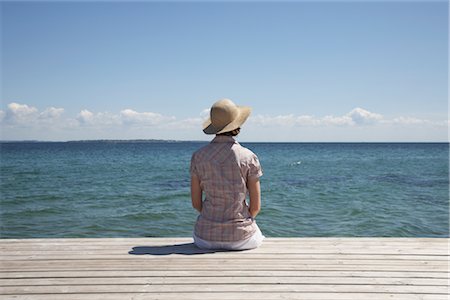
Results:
[224, 171]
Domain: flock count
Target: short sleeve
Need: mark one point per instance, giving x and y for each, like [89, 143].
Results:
[255, 170]
[193, 167]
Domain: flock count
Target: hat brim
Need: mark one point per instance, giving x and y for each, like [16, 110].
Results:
[244, 112]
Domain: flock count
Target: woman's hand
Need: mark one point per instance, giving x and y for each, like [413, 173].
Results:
[254, 190]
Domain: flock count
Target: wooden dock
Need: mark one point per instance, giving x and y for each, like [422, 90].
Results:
[173, 268]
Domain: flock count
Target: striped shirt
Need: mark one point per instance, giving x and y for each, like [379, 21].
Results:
[223, 168]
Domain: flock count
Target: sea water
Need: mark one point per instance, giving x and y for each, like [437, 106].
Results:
[141, 188]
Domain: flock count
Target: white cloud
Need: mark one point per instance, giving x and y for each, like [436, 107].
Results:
[129, 116]
[24, 121]
[25, 115]
[280, 120]
[355, 117]
[361, 116]
[287, 120]
[101, 119]
[21, 109]
[126, 117]
[20, 113]
[409, 121]
[335, 121]
[204, 114]
[51, 113]
[85, 117]
[189, 123]
[307, 120]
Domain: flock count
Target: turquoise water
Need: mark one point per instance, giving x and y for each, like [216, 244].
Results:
[134, 189]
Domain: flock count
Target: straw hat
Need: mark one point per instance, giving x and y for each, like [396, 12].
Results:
[225, 116]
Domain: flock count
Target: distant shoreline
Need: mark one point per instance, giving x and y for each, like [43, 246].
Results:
[149, 141]
[99, 141]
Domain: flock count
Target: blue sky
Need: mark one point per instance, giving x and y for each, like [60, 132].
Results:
[312, 71]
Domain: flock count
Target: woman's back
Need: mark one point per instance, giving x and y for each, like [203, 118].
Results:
[223, 167]
[222, 173]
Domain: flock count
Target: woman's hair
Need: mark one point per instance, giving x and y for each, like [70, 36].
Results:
[232, 132]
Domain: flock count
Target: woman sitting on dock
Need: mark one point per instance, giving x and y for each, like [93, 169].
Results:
[225, 172]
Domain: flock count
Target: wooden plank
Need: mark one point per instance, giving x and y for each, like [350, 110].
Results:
[228, 261]
[221, 288]
[251, 295]
[288, 250]
[298, 268]
[266, 245]
[442, 271]
[107, 255]
[435, 248]
[223, 273]
[199, 280]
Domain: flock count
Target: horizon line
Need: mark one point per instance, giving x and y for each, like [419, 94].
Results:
[206, 141]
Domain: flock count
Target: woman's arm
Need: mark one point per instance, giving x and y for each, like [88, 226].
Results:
[254, 190]
[196, 193]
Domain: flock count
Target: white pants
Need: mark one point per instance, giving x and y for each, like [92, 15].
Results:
[252, 242]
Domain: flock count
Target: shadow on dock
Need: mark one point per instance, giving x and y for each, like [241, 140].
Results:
[183, 249]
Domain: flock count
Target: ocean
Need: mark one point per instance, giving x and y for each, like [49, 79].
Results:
[141, 189]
